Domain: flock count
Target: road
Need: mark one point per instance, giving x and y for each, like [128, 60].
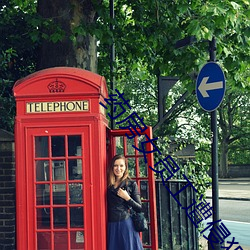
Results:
[234, 210]
[235, 213]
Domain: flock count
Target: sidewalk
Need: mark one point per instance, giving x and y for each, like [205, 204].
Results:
[204, 245]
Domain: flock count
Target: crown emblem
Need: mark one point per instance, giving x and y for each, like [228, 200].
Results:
[56, 86]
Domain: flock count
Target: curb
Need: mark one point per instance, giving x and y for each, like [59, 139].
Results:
[230, 198]
[235, 180]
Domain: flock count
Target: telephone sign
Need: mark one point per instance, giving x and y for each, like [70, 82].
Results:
[65, 106]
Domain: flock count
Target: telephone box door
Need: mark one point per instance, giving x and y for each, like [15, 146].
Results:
[59, 188]
[138, 150]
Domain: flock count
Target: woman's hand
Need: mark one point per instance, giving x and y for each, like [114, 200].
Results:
[123, 194]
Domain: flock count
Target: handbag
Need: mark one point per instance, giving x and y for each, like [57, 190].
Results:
[138, 218]
[139, 221]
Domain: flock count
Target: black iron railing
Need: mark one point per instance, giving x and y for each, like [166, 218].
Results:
[175, 229]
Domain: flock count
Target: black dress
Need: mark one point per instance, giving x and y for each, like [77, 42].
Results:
[121, 231]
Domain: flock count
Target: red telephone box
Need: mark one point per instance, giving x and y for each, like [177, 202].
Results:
[61, 160]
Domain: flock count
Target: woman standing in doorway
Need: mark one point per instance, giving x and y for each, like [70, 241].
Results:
[122, 195]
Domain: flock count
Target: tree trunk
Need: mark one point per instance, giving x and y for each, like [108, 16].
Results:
[75, 49]
[223, 166]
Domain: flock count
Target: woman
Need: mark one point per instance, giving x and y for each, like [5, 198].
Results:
[122, 195]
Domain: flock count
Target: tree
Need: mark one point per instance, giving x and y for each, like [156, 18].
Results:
[233, 120]
[157, 25]
[75, 32]
[145, 34]
[234, 117]
[69, 39]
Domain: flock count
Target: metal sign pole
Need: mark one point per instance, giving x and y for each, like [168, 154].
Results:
[210, 91]
[214, 129]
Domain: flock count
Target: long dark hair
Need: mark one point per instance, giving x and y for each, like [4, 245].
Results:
[111, 175]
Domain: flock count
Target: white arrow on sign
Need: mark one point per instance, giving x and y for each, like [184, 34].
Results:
[204, 86]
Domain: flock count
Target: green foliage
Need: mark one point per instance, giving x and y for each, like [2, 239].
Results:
[17, 54]
[7, 107]
[197, 172]
[196, 169]
[15, 29]
[234, 125]
[147, 31]
[145, 36]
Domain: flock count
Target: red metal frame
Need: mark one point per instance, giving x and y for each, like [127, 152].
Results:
[32, 184]
[150, 178]
[90, 123]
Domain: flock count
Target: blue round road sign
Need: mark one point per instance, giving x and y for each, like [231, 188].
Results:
[210, 86]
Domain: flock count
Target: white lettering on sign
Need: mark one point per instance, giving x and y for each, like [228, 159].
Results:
[49, 107]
